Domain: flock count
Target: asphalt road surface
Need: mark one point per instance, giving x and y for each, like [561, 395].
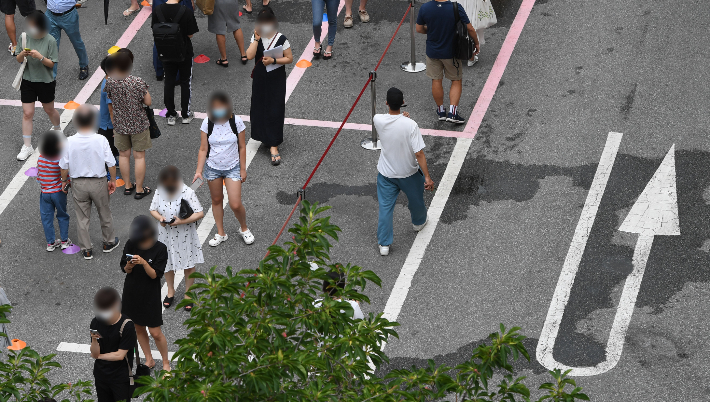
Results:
[526, 217]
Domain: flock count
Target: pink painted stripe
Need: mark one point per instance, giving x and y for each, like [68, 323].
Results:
[123, 41]
[489, 89]
[297, 72]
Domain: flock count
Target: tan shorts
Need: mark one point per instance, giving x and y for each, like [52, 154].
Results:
[437, 69]
[138, 142]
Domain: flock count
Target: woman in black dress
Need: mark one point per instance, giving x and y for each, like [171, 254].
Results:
[144, 260]
[268, 91]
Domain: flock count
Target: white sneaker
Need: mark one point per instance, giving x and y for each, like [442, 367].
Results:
[247, 237]
[188, 119]
[417, 228]
[384, 250]
[53, 246]
[25, 153]
[217, 240]
[11, 49]
[472, 62]
[66, 244]
[172, 120]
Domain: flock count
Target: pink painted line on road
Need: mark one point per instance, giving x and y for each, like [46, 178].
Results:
[297, 72]
[489, 89]
[123, 41]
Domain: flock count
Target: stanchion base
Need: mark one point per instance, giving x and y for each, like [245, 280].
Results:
[416, 68]
[368, 144]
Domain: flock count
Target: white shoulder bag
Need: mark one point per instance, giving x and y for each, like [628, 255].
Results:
[18, 78]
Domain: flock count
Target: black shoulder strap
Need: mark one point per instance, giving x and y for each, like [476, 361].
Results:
[233, 124]
[210, 127]
[281, 41]
[159, 13]
[457, 18]
[179, 14]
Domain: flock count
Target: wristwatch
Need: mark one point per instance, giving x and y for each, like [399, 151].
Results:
[275, 60]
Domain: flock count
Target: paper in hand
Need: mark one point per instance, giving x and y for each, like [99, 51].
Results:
[276, 53]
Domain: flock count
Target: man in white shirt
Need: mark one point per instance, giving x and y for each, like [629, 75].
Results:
[84, 160]
[402, 167]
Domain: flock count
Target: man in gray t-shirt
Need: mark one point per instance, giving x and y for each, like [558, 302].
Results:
[402, 167]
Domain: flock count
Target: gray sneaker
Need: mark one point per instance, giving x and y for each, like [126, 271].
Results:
[188, 119]
[172, 120]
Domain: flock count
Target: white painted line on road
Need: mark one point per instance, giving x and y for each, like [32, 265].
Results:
[85, 348]
[654, 213]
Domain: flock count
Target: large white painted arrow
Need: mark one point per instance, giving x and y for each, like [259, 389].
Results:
[654, 213]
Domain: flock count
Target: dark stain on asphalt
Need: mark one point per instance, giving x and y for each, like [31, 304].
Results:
[628, 105]
[578, 70]
[531, 111]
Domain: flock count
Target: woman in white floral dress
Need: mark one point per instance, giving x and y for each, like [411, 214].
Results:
[180, 235]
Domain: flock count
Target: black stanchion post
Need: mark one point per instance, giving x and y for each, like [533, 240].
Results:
[372, 143]
[301, 193]
[412, 66]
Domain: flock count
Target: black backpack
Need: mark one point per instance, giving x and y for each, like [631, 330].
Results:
[167, 36]
[210, 127]
[463, 44]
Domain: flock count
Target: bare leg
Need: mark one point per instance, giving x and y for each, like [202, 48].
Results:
[134, 5]
[222, 46]
[234, 194]
[189, 281]
[10, 28]
[139, 162]
[239, 37]
[348, 7]
[144, 341]
[217, 195]
[248, 5]
[28, 114]
[363, 5]
[170, 281]
[124, 165]
[437, 91]
[454, 93]
[162, 344]
[52, 113]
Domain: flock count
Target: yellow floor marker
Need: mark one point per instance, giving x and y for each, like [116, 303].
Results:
[113, 49]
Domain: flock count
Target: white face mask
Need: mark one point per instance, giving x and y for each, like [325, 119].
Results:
[34, 32]
[267, 29]
[107, 315]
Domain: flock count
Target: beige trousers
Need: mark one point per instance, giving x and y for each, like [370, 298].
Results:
[85, 191]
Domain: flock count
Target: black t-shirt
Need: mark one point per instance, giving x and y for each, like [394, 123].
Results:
[188, 24]
[112, 341]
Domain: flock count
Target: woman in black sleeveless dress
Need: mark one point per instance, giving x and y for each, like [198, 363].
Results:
[268, 95]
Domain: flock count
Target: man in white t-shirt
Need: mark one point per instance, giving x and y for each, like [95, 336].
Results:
[402, 167]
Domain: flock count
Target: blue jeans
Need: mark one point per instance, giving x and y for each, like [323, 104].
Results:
[332, 8]
[157, 64]
[70, 24]
[387, 192]
[48, 203]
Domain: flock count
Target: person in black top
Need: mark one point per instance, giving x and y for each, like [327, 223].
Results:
[144, 260]
[113, 340]
[188, 27]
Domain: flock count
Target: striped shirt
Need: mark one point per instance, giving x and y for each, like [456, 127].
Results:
[49, 175]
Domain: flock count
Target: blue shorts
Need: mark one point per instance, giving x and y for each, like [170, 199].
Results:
[213, 174]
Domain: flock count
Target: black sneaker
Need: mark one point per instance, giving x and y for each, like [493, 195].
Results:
[159, 77]
[455, 118]
[88, 254]
[108, 247]
[83, 73]
[442, 115]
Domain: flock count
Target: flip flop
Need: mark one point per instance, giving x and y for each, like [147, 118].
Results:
[275, 161]
[130, 12]
[129, 191]
[245, 59]
[168, 301]
[146, 192]
[188, 308]
[244, 7]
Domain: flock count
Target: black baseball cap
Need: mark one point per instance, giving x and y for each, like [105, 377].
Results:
[395, 98]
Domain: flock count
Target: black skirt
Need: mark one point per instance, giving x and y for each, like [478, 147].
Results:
[141, 293]
[268, 101]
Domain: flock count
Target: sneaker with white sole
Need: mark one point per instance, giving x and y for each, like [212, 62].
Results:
[442, 115]
[172, 120]
[364, 16]
[348, 21]
[247, 237]
[384, 250]
[25, 153]
[455, 118]
[472, 62]
[53, 246]
[66, 244]
[188, 119]
[418, 228]
[217, 240]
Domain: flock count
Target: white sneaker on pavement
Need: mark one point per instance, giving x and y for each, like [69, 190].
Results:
[188, 119]
[53, 246]
[217, 240]
[417, 228]
[348, 21]
[472, 62]
[25, 153]
[384, 250]
[247, 236]
[172, 120]
[66, 244]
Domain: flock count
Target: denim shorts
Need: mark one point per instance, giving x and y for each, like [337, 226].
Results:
[212, 174]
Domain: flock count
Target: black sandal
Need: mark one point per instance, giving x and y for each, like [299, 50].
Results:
[274, 161]
[245, 59]
[223, 63]
[129, 191]
[168, 301]
[188, 308]
[317, 54]
[327, 57]
[146, 192]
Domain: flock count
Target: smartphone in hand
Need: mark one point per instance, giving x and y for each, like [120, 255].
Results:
[95, 332]
[196, 184]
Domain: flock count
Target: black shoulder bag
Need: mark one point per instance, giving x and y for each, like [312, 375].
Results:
[141, 369]
[463, 44]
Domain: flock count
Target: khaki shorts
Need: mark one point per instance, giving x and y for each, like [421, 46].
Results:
[437, 69]
[138, 142]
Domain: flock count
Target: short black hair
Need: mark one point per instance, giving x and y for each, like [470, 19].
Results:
[126, 51]
[339, 280]
[169, 173]
[84, 118]
[107, 64]
[123, 61]
[106, 298]
[38, 19]
[50, 144]
[221, 97]
[266, 15]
